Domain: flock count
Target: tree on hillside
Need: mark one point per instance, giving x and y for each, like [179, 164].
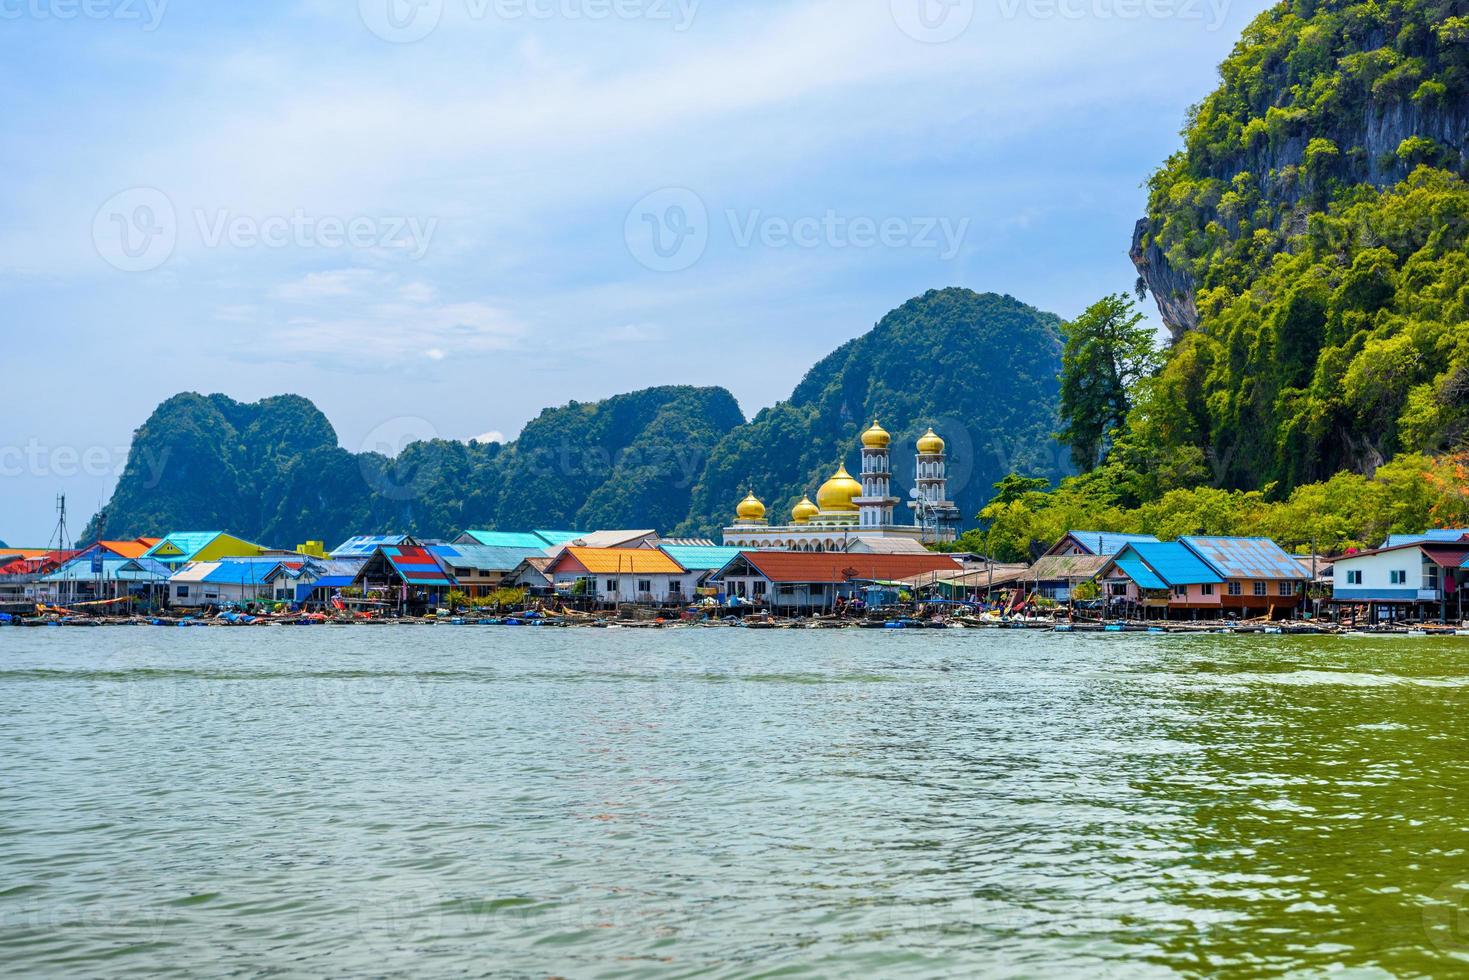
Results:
[1108, 350]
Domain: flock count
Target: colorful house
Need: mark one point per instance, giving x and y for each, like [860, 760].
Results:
[702, 560]
[314, 581]
[224, 581]
[622, 575]
[182, 547]
[481, 569]
[410, 576]
[1239, 577]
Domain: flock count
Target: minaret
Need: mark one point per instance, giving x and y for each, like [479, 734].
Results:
[932, 508]
[875, 506]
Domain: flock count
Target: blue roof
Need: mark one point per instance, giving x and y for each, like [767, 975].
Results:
[1246, 558]
[1173, 562]
[1437, 534]
[1106, 542]
[1140, 573]
[242, 571]
[486, 557]
[114, 568]
[363, 545]
[700, 558]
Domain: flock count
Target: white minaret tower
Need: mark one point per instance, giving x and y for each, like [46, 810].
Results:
[931, 505]
[875, 506]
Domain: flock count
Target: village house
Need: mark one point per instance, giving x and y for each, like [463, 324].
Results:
[182, 547]
[1105, 543]
[790, 581]
[225, 581]
[1424, 577]
[1215, 577]
[622, 575]
[407, 577]
[480, 569]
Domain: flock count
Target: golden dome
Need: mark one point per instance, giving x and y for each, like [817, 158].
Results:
[930, 443]
[750, 509]
[836, 494]
[804, 511]
[876, 437]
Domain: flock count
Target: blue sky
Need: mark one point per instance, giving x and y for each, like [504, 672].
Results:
[436, 217]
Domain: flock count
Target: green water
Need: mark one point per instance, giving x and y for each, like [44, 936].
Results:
[479, 800]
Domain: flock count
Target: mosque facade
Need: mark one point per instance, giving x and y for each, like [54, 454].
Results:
[858, 513]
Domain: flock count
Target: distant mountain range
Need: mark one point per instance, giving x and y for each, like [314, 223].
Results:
[981, 369]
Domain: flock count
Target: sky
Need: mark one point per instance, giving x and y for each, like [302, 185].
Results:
[437, 217]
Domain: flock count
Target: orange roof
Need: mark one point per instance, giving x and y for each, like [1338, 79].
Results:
[126, 549]
[24, 552]
[840, 566]
[630, 561]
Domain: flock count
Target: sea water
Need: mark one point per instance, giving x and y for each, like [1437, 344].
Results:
[399, 801]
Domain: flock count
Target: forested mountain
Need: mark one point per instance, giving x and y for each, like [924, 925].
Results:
[1307, 248]
[981, 369]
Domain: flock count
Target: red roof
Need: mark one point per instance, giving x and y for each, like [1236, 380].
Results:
[838, 566]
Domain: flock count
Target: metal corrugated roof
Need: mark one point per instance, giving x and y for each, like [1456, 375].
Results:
[554, 538]
[837, 566]
[1436, 534]
[1140, 573]
[189, 543]
[700, 558]
[417, 565]
[1174, 563]
[485, 557]
[1057, 568]
[1106, 542]
[627, 561]
[510, 539]
[241, 571]
[1246, 558]
[363, 545]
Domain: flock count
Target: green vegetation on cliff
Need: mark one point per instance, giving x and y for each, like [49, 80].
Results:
[1317, 219]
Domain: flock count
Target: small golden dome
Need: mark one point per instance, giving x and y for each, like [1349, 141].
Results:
[750, 509]
[930, 443]
[876, 437]
[804, 511]
[836, 494]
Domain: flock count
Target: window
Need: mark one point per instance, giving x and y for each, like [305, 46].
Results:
[818, 589]
[611, 585]
[1180, 592]
[462, 573]
[1236, 588]
[1354, 577]
[645, 585]
[759, 586]
[1398, 576]
[1432, 574]
[1261, 589]
[183, 591]
[1207, 588]
[1119, 588]
[1287, 589]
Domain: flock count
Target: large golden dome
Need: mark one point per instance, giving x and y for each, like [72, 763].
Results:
[804, 511]
[750, 509]
[876, 437]
[836, 495]
[930, 443]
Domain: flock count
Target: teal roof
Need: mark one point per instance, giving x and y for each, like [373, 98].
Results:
[1106, 542]
[189, 542]
[510, 539]
[700, 558]
[554, 538]
[1173, 562]
[114, 568]
[1140, 573]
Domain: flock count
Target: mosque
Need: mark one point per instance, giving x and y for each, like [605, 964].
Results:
[849, 515]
